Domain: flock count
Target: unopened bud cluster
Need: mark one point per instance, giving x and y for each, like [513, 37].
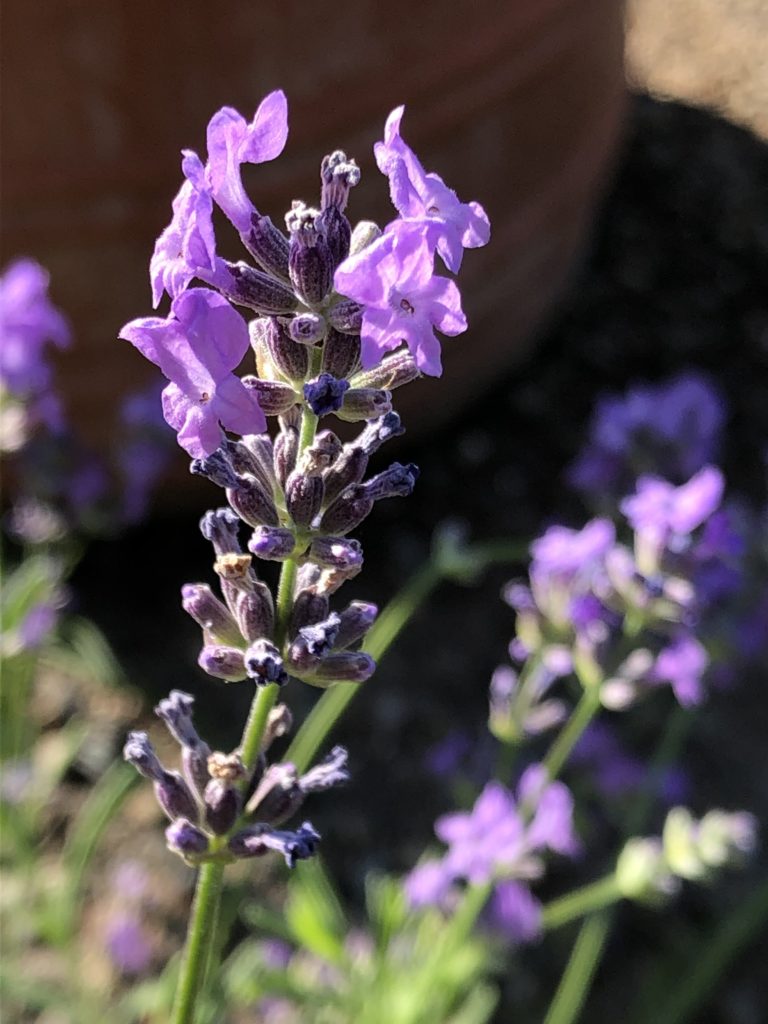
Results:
[221, 810]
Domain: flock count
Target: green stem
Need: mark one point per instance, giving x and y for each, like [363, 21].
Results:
[585, 900]
[200, 933]
[562, 747]
[577, 979]
[198, 961]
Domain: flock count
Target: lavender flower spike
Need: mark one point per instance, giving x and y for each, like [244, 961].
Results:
[403, 299]
[197, 347]
[416, 194]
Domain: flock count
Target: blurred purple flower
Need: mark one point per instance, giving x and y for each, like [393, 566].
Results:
[682, 664]
[37, 624]
[672, 429]
[127, 944]
[28, 324]
[564, 554]
[403, 300]
[421, 196]
[515, 912]
[660, 510]
[197, 347]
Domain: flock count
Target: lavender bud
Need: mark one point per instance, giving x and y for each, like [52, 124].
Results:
[336, 552]
[278, 795]
[325, 449]
[268, 245]
[236, 571]
[289, 357]
[325, 394]
[222, 806]
[286, 448]
[252, 503]
[338, 175]
[216, 468]
[272, 543]
[332, 771]
[258, 839]
[255, 612]
[222, 662]
[341, 354]
[279, 723]
[199, 601]
[262, 452]
[392, 372]
[308, 608]
[273, 396]
[264, 664]
[194, 765]
[345, 514]
[337, 231]
[348, 469]
[220, 527]
[310, 260]
[364, 234]
[174, 796]
[307, 328]
[176, 711]
[396, 481]
[344, 667]
[258, 291]
[346, 316]
[354, 622]
[364, 404]
[378, 431]
[186, 839]
[139, 752]
[320, 637]
[304, 496]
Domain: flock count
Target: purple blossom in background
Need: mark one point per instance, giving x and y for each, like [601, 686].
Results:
[501, 839]
[28, 324]
[515, 912]
[417, 195]
[663, 515]
[127, 944]
[144, 452]
[197, 347]
[403, 300]
[564, 554]
[38, 624]
[671, 429]
[682, 664]
[187, 247]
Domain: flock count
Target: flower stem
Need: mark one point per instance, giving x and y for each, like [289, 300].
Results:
[585, 900]
[562, 747]
[197, 963]
[199, 938]
[577, 979]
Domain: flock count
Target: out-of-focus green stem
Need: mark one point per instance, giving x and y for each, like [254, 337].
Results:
[561, 749]
[585, 900]
[577, 979]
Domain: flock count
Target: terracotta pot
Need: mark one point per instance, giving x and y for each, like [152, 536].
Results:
[516, 104]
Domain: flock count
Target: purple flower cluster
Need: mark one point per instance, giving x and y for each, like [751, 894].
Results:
[357, 294]
[502, 840]
[207, 800]
[672, 429]
[622, 618]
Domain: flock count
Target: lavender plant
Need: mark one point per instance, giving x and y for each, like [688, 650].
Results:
[343, 317]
